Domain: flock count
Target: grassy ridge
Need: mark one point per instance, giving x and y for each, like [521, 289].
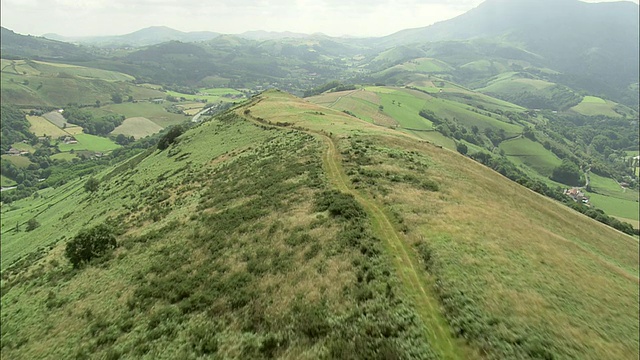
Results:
[36, 83]
[515, 271]
[218, 254]
[226, 250]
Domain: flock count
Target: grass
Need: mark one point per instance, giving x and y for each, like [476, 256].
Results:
[154, 112]
[19, 161]
[212, 95]
[593, 106]
[43, 127]
[5, 181]
[138, 127]
[235, 243]
[421, 65]
[511, 83]
[89, 142]
[612, 198]
[486, 273]
[63, 156]
[532, 154]
[48, 84]
[204, 269]
[24, 147]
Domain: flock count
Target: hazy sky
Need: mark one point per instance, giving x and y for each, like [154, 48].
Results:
[332, 17]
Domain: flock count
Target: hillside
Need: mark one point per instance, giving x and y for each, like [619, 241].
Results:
[21, 46]
[595, 45]
[143, 37]
[291, 230]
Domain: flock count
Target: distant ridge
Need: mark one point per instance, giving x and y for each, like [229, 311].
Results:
[144, 37]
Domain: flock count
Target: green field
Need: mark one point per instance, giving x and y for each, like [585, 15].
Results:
[35, 83]
[402, 106]
[532, 154]
[511, 83]
[593, 106]
[421, 65]
[19, 161]
[40, 68]
[5, 181]
[212, 95]
[24, 147]
[64, 156]
[154, 112]
[43, 127]
[612, 198]
[89, 142]
[138, 127]
[251, 240]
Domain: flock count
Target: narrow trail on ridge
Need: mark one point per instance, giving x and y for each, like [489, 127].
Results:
[417, 287]
[421, 294]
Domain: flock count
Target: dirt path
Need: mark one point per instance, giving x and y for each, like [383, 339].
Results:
[415, 284]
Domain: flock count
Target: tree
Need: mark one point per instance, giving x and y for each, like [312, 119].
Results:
[32, 224]
[462, 148]
[116, 98]
[89, 244]
[567, 173]
[92, 184]
[170, 137]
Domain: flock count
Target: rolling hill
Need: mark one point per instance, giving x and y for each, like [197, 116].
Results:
[286, 229]
[148, 36]
[595, 45]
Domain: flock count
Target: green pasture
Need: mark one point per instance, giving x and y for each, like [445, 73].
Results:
[615, 206]
[89, 142]
[212, 95]
[511, 83]
[154, 112]
[5, 181]
[423, 65]
[64, 156]
[532, 154]
[43, 127]
[138, 127]
[593, 106]
[19, 161]
[24, 147]
[80, 71]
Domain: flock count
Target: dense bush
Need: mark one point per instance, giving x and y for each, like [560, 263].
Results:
[89, 244]
[170, 137]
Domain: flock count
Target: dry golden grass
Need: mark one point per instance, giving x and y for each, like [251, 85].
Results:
[529, 258]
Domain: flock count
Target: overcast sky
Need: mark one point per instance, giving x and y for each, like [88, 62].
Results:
[331, 17]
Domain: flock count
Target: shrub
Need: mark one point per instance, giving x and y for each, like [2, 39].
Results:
[92, 184]
[462, 148]
[32, 224]
[89, 244]
[170, 137]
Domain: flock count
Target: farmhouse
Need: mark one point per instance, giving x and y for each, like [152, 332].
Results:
[14, 152]
[157, 101]
[69, 140]
[577, 195]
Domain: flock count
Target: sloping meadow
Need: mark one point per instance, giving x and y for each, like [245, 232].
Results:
[231, 244]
